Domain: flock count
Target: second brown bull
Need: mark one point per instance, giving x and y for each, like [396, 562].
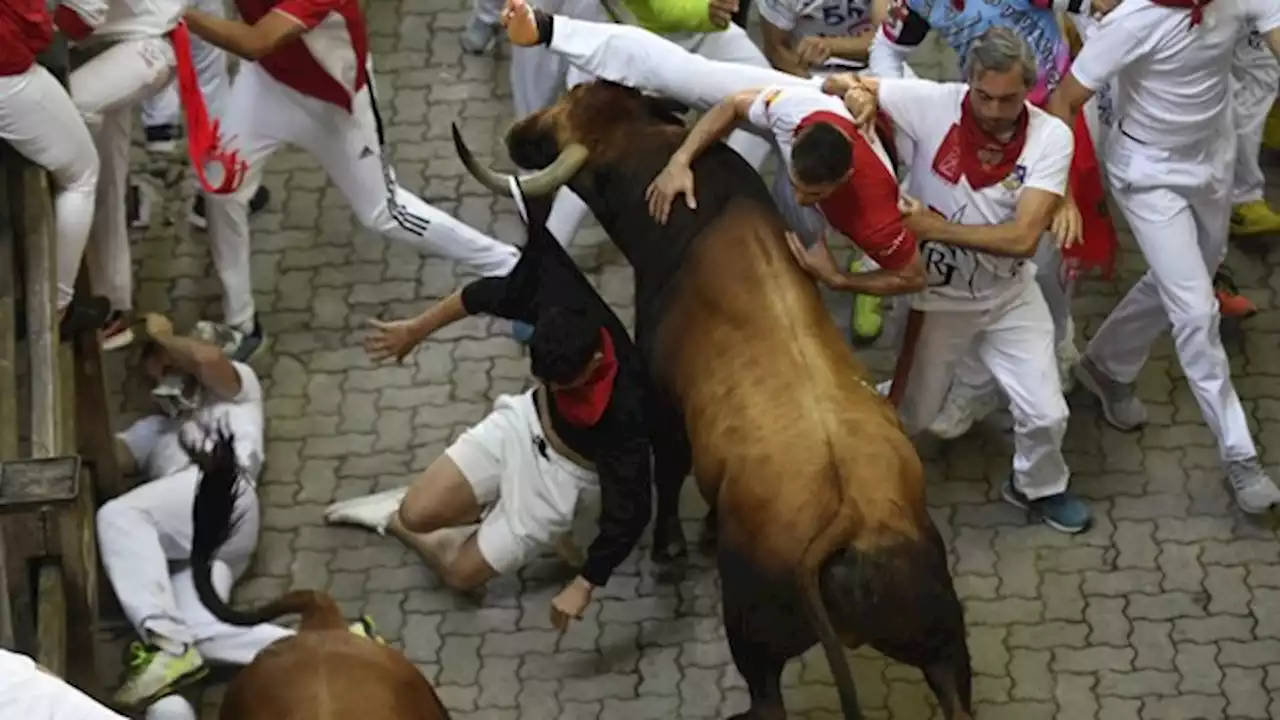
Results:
[816, 493]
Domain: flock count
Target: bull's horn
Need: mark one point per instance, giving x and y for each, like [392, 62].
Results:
[535, 184]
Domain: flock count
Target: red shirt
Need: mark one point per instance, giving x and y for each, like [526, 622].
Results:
[328, 62]
[865, 209]
[26, 29]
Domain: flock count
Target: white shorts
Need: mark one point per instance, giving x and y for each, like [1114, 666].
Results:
[534, 491]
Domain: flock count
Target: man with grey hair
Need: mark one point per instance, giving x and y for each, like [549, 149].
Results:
[973, 393]
[988, 174]
[1170, 163]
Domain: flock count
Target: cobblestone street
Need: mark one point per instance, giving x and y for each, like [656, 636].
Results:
[1169, 609]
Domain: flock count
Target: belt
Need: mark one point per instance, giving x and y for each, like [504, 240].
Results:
[553, 439]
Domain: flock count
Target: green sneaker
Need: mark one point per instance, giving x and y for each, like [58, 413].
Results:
[154, 673]
[364, 628]
[867, 320]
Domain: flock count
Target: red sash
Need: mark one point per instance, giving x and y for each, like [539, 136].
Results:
[203, 146]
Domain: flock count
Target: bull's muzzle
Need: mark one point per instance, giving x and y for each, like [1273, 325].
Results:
[535, 184]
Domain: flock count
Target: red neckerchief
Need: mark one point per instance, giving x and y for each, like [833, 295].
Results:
[582, 405]
[1195, 6]
[202, 134]
[969, 152]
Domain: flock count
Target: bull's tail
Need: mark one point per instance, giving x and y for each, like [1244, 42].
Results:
[214, 518]
[834, 537]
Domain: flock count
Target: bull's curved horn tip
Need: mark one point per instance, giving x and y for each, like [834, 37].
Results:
[494, 181]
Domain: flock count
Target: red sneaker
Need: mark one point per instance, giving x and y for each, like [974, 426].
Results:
[1230, 302]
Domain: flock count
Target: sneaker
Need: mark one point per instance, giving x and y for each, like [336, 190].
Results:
[1271, 132]
[522, 332]
[963, 408]
[117, 331]
[867, 320]
[1063, 512]
[163, 139]
[138, 200]
[478, 36]
[154, 673]
[1231, 304]
[365, 628]
[257, 203]
[1255, 492]
[371, 511]
[1120, 406]
[1254, 218]
[235, 343]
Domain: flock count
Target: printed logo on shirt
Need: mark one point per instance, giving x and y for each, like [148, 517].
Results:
[771, 97]
[1016, 178]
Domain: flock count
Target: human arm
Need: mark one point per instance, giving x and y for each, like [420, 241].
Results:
[901, 31]
[206, 363]
[777, 23]
[496, 296]
[677, 177]
[625, 506]
[819, 263]
[286, 22]
[1042, 191]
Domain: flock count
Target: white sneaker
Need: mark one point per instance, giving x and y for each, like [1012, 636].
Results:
[371, 511]
[964, 407]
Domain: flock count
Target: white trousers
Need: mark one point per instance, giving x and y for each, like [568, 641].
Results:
[260, 116]
[28, 693]
[1254, 77]
[38, 118]
[165, 107]
[106, 90]
[1178, 206]
[696, 69]
[1015, 341]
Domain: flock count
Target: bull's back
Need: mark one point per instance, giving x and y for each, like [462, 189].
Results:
[331, 675]
[772, 392]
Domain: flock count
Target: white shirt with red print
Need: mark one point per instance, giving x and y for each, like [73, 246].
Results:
[330, 61]
[959, 278]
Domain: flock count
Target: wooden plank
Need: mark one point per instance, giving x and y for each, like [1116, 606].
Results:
[8, 381]
[36, 231]
[92, 416]
[51, 626]
[79, 555]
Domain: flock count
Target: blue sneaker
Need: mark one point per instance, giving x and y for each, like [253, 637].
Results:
[521, 331]
[1063, 512]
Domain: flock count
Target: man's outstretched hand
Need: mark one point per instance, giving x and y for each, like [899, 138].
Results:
[522, 27]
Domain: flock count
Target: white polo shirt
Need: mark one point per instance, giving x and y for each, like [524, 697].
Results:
[137, 19]
[1171, 79]
[823, 18]
[959, 278]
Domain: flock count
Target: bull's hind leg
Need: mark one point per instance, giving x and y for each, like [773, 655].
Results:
[766, 626]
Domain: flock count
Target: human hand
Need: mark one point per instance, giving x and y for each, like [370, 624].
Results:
[522, 26]
[675, 179]
[158, 326]
[1067, 224]
[861, 103]
[391, 339]
[817, 261]
[916, 216]
[720, 12]
[813, 50]
[571, 603]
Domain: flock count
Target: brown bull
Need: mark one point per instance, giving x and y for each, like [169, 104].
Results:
[325, 672]
[816, 493]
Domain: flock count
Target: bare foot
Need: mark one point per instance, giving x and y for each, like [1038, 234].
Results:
[518, 18]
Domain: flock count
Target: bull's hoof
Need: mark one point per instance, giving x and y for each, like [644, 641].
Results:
[710, 534]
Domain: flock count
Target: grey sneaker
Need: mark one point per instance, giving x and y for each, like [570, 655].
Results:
[1120, 406]
[1255, 492]
[235, 343]
[477, 37]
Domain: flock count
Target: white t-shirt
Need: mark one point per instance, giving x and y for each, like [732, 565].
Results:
[27, 693]
[823, 18]
[960, 278]
[1171, 79]
[155, 440]
[135, 19]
